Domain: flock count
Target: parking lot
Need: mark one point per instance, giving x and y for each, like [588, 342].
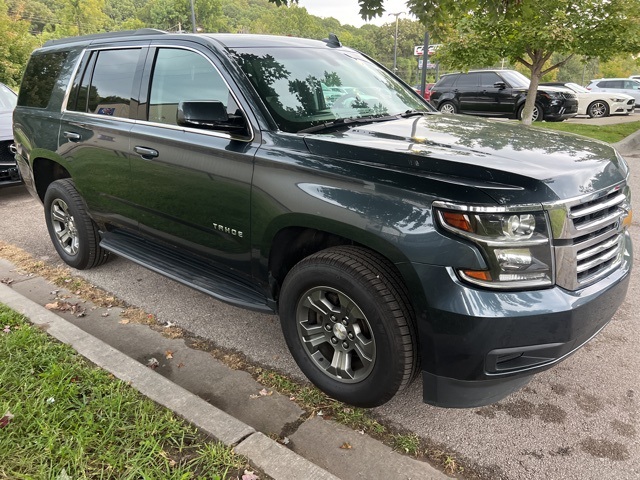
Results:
[579, 420]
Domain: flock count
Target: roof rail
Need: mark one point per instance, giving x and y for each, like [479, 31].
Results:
[96, 36]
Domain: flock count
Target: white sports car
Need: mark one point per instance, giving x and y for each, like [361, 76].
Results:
[598, 104]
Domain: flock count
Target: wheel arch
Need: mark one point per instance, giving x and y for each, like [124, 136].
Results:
[288, 243]
[46, 171]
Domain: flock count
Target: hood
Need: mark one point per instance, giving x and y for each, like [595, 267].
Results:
[507, 160]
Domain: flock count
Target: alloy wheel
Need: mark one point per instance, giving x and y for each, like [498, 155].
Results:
[64, 226]
[335, 334]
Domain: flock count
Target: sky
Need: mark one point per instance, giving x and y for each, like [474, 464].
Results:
[347, 11]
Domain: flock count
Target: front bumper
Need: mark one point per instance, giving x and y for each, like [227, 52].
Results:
[478, 346]
[562, 110]
[9, 174]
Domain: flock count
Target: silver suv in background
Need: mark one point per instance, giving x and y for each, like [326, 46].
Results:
[629, 86]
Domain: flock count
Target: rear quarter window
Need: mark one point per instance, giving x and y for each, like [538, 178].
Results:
[40, 79]
[446, 81]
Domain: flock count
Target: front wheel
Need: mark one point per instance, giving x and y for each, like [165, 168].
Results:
[538, 114]
[73, 233]
[346, 318]
[598, 109]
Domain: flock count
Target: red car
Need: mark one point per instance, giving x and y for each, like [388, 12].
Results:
[427, 90]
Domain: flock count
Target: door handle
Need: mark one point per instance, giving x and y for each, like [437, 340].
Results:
[72, 136]
[146, 153]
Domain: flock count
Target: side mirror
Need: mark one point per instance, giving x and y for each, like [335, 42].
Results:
[208, 114]
[500, 85]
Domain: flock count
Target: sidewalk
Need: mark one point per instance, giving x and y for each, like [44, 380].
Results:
[222, 402]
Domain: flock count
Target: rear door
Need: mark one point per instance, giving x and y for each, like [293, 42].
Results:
[95, 126]
[466, 90]
[191, 186]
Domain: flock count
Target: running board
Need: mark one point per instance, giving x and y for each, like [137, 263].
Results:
[184, 268]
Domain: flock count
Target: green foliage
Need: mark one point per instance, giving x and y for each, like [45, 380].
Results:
[15, 48]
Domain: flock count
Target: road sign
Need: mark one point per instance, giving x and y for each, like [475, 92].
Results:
[418, 50]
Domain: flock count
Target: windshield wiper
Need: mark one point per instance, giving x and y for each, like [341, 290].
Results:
[412, 113]
[341, 122]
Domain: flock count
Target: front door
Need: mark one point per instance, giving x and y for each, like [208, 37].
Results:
[191, 186]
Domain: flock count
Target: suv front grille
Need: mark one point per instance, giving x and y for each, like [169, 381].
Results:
[569, 95]
[589, 236]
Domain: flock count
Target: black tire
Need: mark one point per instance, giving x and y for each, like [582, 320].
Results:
[73, 233]
[448, 107]
[538, 113]
[598, 109]
[362, 320]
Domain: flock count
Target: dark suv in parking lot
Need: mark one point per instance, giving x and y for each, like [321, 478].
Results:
[300, 177]
[500, 93]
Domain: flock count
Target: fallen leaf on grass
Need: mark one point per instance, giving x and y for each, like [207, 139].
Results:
[249, 475]
[168, 354]
[153, 363]
[346, 446]
[7, 329]
[6, 419]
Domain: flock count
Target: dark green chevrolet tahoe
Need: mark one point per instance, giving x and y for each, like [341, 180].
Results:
[301, 178]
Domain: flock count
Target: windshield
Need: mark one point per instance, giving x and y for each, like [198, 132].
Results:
[515, 79]
[304, 87]
[8, 98]
[576, 88]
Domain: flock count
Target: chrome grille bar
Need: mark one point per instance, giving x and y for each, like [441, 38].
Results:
[590, 236]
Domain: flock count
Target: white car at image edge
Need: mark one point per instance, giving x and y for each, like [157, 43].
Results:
[598, 104]
[9, 174]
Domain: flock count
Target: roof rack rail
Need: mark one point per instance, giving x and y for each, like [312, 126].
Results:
[96, 36]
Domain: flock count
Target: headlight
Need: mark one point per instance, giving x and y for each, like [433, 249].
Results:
[515, 245]
[617, 100]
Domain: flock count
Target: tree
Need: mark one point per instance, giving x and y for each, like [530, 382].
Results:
[86, 15]
[15, 48]
[481, 32]
[529, 33]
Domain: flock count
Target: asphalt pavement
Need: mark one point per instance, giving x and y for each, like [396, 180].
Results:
[579, 420]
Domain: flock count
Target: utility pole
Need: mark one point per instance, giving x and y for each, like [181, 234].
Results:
[395, 42]
[425, 62]
[193, 18]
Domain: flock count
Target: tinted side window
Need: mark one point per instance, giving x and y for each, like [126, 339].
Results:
[40, 78]
[631, 85]
[112, 83]
[183, 75]
[447, 81]
[468, 80]
[487, 79]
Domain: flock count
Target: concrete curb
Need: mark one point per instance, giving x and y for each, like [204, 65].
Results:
[272, 458]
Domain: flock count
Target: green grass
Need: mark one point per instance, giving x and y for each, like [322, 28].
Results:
[606, 133]
[73, 420]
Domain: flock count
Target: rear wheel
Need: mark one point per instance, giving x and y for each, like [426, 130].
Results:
[346, 319]
[448, 107]
[598, 109]
[73, 233]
